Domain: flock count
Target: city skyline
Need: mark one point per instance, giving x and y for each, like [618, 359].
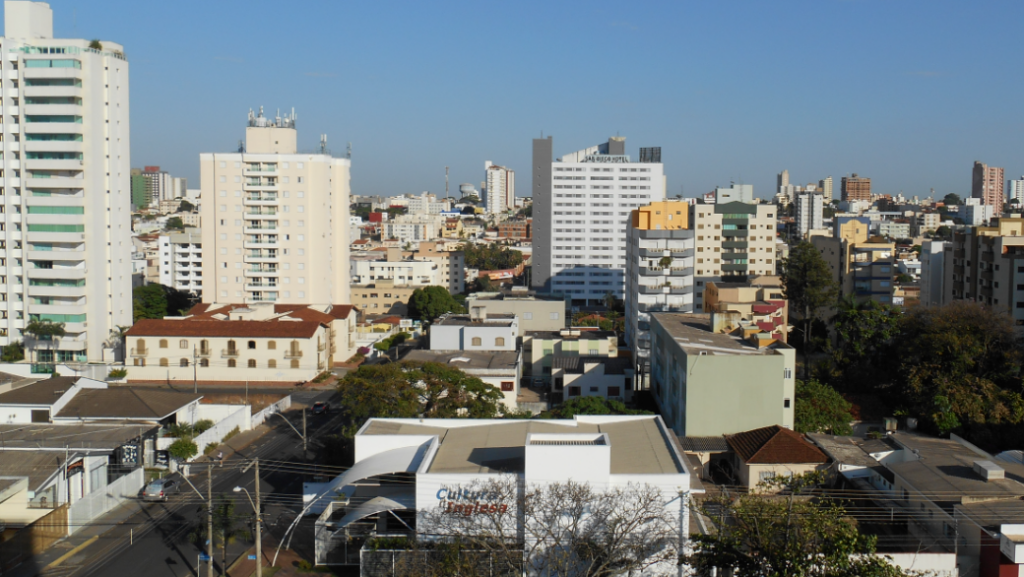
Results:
[731, 94]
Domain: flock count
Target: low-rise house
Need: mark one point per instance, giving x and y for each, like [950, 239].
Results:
[502, 369]
[774, 451]
[477, 331]
[714, 383]
[543, 347]
[611, 378]
[242, 343]
[535, 312]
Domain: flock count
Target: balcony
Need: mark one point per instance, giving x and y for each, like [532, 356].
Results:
[229, 353]
[651, 290]
[139, 352]
[688, 271]
[735, 244]
[262, 243]
[684, 253]
[652, 253]
[293, 354]
[260, 199]
[205, 352]
[734, 233]
[252, 286]
[734, 267]
[961, 253]
[651, 271]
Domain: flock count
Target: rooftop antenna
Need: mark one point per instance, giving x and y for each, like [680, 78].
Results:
[323, 144]
[241, 145]
[348, 151]
[446, 183]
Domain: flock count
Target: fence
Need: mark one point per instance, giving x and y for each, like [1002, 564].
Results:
[215, 434]
[33, 539]
[100, 501]
[260, 417]
[393, 563]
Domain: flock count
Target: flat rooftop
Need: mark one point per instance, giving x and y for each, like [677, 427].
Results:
[493, 320]
[49, 436]
[573, 335]
[638, 445]
[692, 332]
[476, 361]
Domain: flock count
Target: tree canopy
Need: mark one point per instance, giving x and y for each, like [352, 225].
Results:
[792, 536]
[592, 405]
[820, 409]
[951, 199]
[175, 223]
[428, 303]
[186, 206]
[155, 301]
[408, 389]
[808, 284]
[490, 256]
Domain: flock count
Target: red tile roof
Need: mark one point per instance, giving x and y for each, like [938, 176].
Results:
[774, 445]
[216, 328]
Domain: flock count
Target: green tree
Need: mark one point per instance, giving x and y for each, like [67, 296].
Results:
[592, 405]
[904, 278]
[183, 449]
[492, 256]
[43, 330]
[943, 233]
[155, 301]
[13, 353]
[174, 223]
[951, 199]
[863, 353]
[186, 206]
[408, 389]
[960, 365]
[96, 45]
[225, 526]
[793, 536]
[820, 409]
[808, 284]
[428, 303]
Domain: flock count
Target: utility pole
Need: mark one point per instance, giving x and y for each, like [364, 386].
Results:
[303, 432]
[195, 383]
[209, 520]
[259, 522]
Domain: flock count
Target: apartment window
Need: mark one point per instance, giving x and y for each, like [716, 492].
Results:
[204, 362]
[163, 362]
[231, 363]
[295, 363]
[163, 343]
[499, 341]
[272, 364]
[140, 362]
[574, 391]
[553, 316]
[787, 373]
[182, 362]
[183, 344]
[785, 404]
[477, 342]
[614, 392]
[507, 386]
[271, 345]
[252, 363]
[252, 345]
[528, 316]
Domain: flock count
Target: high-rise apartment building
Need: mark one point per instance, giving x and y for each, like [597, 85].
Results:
[500, 193]
[581, 208]
[1015, 191]
[809, 207]
[181, 261]
[825, 185]
[863, 269]
[986, 264]
[275, 222]
[856, 188]
[782, 180]
[987, 184]
[933, 273]
[659, 270]
[66, 232]
[733, 241]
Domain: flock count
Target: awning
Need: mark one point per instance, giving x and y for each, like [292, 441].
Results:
[394, 502]
[401, 460]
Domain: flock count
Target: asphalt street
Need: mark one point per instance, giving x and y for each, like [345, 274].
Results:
[155, 539]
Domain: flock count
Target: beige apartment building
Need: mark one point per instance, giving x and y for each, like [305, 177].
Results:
[732, 241]
[986, 264]
[542, 348]
[863, 269]
[382, 296]
[276, 221]
[758, 302]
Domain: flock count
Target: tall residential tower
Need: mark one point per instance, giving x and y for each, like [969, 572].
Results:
[66, 190]
[275, 222]
[987, 184]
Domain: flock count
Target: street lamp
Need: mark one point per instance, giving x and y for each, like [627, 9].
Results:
[259, 520]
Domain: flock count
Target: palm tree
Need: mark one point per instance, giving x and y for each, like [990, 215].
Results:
[45, 331]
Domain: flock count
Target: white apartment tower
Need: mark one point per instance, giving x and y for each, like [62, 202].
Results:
[65, 227]
[181, 261]
[275, 222]
[500, 193]
[809, 207]
[582, 205]
[1015, 190]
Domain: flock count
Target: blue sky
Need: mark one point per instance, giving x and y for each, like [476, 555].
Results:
[907, 92]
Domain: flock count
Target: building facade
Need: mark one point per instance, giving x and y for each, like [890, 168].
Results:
[809, 207]
[856, 188]
[581, 208]
[66, 223]
[535, 313]
[825, 185]
[735, 193]
[986, 265]
[733, 241]
[275, 221]
[181, 261]
[659, 270]
[709, 383]
[863, 269]
[987, 185]
[933, 273]
[500, 191]
[1015, 191]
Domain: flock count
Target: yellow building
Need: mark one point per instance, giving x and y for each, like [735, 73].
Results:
[863, 269]
[664, 215]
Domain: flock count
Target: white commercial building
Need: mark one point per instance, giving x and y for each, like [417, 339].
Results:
[581, 209]
[275, 221]
[809, 207]
[500, 193]
[393, 266]
[66, 188]
[450, 462]
[413, 228]
[973, 213]
[735, 193]
[894, 229]
[933, 273]
[426, 203]
[1015, 190]
[181, 261]
[477, 331]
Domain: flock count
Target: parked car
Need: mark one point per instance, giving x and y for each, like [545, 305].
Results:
[160, 489]
[321, 408]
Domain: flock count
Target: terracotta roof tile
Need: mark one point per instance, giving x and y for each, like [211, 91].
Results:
[215, 328]
[772, 445]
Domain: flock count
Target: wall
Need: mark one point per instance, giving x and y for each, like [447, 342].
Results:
[102, 500]
[215, 434]
[35, 538]
[217, 413]
[459, 337]
[750, 475]
[282, 405]
[534, 314]
[594, 378]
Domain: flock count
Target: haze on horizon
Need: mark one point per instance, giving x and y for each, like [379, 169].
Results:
[908, 93]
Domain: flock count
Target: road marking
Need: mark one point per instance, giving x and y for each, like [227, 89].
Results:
[72, 552]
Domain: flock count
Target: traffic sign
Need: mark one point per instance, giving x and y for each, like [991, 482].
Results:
[252, 557]
[204, 557]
